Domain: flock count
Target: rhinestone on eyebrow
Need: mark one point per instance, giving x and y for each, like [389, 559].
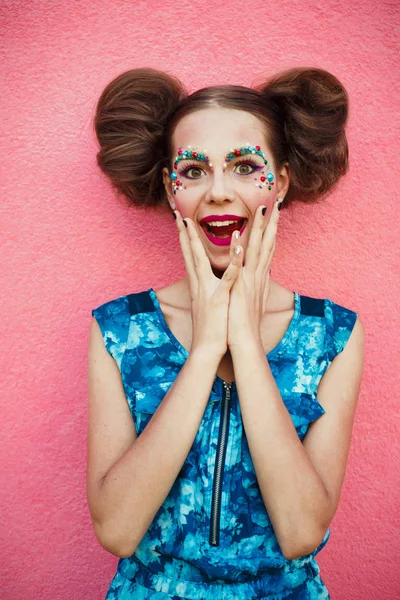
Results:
[188, 154]
[249, 149]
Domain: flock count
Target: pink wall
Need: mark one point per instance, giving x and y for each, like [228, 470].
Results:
[69, 246]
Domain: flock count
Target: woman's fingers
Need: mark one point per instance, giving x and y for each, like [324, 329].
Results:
[196, 260]
[201, 261]
[184, 241]
[268, 241]
[255, 240]
[235, 264]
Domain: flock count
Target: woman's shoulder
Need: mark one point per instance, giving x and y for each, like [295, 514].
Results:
[338, 318]
[116, 315]
[325, 306]
[175, 295]
[130, 302]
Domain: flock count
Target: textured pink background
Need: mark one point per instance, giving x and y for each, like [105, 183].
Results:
[68, 246]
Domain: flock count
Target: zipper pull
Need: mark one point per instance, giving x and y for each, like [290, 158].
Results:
[228, 389]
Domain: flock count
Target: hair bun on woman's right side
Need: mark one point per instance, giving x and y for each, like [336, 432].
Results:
[130, 120]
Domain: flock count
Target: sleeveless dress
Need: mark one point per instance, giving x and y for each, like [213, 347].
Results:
[212, 537]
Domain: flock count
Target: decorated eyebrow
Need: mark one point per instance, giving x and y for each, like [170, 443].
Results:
[188, 154]
[192, 154]
[245, 151]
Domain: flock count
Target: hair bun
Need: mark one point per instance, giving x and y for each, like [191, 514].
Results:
[314, 108]
[130, 126]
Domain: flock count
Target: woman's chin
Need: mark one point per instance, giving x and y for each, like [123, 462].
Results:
[219, 266]
[217, 272]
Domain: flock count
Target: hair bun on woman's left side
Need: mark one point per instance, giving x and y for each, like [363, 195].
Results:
[130, 123]
[313, 105]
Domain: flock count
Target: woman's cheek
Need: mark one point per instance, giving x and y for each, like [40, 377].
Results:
[186, 201]
[254, 195]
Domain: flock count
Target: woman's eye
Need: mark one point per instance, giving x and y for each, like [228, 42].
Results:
[244, 168]
[194, 172]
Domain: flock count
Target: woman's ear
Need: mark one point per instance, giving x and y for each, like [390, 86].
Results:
[283, 181]
[168, 187]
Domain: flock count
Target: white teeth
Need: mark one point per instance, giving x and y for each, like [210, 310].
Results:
[221, 223]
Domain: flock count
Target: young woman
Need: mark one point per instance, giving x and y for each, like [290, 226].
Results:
[221, 406]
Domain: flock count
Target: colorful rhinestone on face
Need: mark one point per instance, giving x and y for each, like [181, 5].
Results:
[266, 181]
[188, 154]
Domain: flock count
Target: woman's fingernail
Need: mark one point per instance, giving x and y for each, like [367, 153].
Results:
[237, 250]
[184, 222]
[264, 210]
[237, 235]
[174, 215]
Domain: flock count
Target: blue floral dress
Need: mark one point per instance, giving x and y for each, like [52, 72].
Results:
[212, 537]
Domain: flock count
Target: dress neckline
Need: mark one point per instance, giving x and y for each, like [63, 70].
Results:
[282, 342]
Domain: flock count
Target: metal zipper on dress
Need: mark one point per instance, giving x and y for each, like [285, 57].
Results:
[219, 466]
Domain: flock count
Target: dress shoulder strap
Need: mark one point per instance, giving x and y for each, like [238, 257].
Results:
[313, 307]
[140, 302]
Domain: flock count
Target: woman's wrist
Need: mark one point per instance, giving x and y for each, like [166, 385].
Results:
[207, 354]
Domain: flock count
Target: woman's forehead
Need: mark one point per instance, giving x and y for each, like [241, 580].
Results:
[218, 129]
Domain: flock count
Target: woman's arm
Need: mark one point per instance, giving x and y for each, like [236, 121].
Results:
[129, 477]
[300, 482]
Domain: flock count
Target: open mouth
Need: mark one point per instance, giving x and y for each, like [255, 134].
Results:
[220, 233]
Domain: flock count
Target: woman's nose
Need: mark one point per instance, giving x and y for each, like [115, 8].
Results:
[221, 187]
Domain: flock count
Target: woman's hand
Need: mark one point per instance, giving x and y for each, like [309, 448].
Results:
[209, 295]
[249, 293]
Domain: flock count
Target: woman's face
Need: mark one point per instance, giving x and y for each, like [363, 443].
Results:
[224, 178]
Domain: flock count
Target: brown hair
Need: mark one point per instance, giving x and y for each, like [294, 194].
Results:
[304, 111]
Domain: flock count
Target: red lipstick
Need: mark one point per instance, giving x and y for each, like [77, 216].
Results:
[221, 218]
[226, 241]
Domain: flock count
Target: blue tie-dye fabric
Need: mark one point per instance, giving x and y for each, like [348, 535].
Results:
[175, 558]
